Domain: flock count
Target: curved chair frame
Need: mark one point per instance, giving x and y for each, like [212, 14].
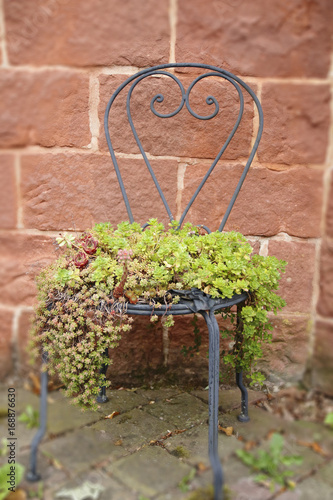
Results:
[202, 303]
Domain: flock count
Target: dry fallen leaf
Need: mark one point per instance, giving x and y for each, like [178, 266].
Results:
[227, 430]
[119, 442]
[17, 495]
[314, 446]
[249, 445]
[202, 467]
[113, 414]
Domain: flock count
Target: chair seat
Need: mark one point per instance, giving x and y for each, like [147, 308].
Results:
[191, 301]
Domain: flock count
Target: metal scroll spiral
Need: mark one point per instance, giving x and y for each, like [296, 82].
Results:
[185, 98]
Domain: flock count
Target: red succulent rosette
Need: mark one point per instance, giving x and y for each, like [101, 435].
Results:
[80, 260]
[89, 244]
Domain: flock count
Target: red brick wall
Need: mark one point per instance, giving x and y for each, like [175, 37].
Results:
[60, 60]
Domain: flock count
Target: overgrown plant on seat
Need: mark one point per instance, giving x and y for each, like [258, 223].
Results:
[106, 275]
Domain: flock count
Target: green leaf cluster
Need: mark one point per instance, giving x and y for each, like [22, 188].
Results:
[273, 464]
[81, 308]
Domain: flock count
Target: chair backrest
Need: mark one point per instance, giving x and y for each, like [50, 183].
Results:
[173, 71]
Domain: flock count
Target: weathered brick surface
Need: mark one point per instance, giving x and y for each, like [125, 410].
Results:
[85, 33]
[325, 301]
[257, 38]
[286, 355]
[297, 121]
[268, 203]
[71, 191]
[297, 282]
[48, 108]
[8, 206]
[21, 258]
[329, 214]
[24, 326]
[183, 134]
[6, 323]
[322, 375]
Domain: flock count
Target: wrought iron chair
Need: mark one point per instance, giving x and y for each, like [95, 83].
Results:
[193, 301]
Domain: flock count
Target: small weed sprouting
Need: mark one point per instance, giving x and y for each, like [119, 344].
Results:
[329, 420]
[184, 483]
[29, 417]
[271, 464]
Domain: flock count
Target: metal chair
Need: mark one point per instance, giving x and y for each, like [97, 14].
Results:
[193, 301]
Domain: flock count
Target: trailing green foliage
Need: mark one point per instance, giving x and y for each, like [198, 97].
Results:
[83, 296]
[271, 464]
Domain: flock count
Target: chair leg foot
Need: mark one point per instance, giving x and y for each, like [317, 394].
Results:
[244, 415]
[102, 398]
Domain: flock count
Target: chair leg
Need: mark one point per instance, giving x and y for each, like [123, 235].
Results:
[213, 401]
[32, 474]
[102, 397]
[244, 415]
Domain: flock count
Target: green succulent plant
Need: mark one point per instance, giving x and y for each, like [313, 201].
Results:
[82, 297]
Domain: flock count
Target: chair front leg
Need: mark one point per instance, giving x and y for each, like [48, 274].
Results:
[102, 397]
[213, 401]
[244, 415]
[32, 474]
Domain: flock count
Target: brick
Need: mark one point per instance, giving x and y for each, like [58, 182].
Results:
[67, 191]
[296, 285]
[183, 134]
[254, 38]
[8, 206]
[47, 108]
[6, 322]
[25, 320]
[269, 202]
[287, 354]
[325, 301]
[22, 257]
[322, 374]
[297, 121]
[85, 33]
[329, 213]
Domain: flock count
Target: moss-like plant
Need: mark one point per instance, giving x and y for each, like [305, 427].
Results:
[83, 296]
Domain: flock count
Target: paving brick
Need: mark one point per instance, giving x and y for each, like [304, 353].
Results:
[72, 450]
[269, 202]
[296, 285]
[132, 430]
[182, 135]
[22, 257]
[181, 412]
[81, 33]
[47, 108]
[230, 399]
[254, 38]
[296, 123]
[150, 471]
[322, 375]
[121, 401]
[192, 445]
[6, 322]
[325, 300]
[68, 191]
[8, 203]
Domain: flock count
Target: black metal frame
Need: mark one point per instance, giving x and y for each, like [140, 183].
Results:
[184, 306]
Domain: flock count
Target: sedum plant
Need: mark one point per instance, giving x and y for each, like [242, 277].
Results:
[82, 297]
